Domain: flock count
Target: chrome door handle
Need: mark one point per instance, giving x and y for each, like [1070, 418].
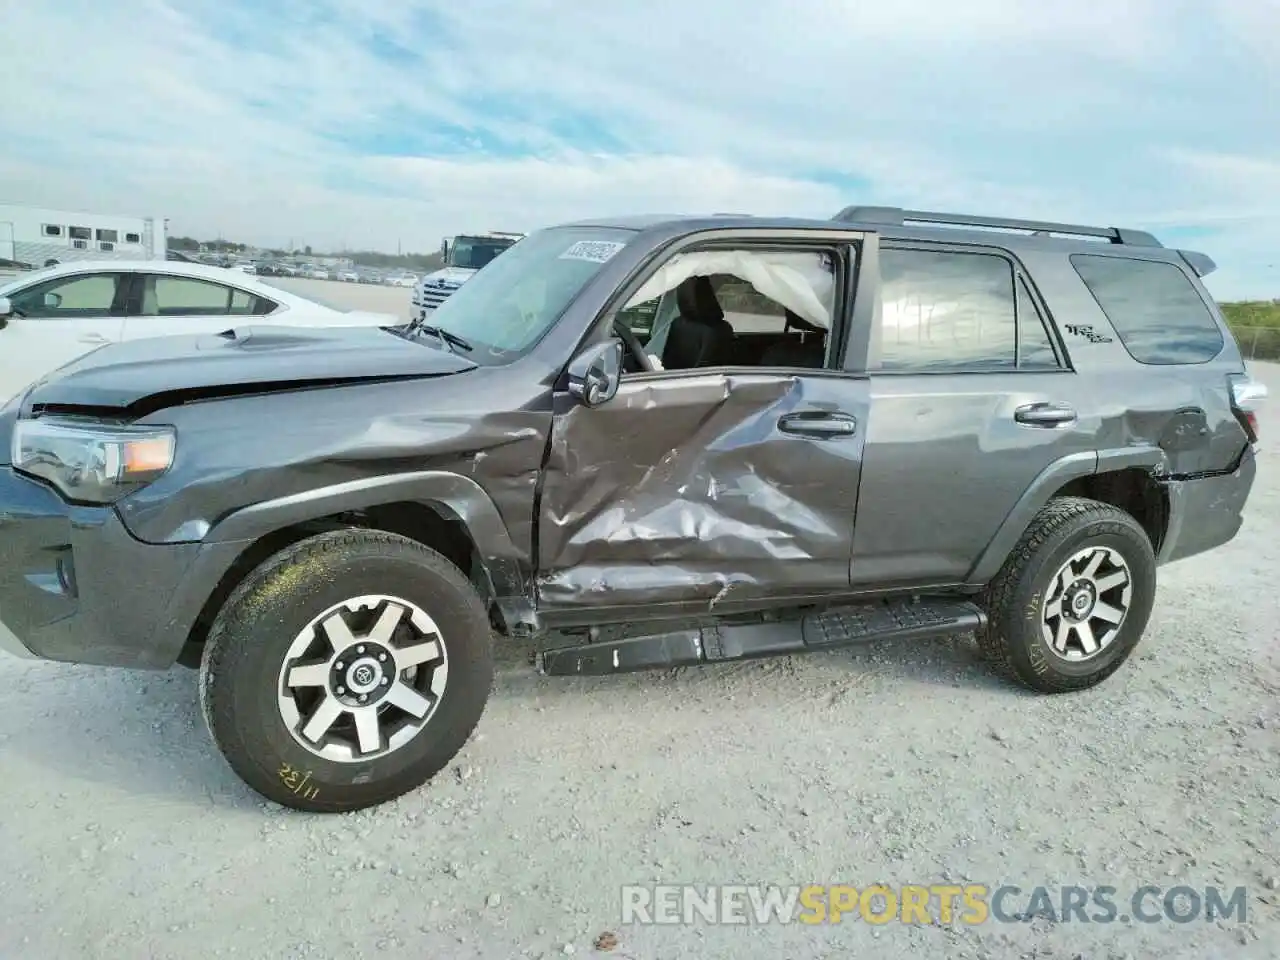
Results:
[1045, 414]
[818, 424]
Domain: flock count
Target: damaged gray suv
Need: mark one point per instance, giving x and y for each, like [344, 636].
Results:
[627, 444]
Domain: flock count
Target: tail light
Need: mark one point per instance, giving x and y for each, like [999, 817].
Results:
[1247, 395]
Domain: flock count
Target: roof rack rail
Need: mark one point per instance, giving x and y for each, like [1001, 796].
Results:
[899, 216]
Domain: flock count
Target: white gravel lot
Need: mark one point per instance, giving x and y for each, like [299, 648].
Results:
[123, 834]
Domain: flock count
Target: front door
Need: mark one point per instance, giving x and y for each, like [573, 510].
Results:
[711, 488]
[56, 321]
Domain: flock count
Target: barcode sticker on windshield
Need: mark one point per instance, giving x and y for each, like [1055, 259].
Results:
[597, 251]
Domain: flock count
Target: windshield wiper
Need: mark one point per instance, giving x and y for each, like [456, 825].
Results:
[451, 340]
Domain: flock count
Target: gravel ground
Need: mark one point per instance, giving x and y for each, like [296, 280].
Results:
[124, 834]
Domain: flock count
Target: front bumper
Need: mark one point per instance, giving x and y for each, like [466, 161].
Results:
[75, 586]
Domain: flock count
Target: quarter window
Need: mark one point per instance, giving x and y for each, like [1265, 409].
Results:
[1154, 308]
[946, 311]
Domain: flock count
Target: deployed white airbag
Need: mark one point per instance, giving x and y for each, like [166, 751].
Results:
[802, 282]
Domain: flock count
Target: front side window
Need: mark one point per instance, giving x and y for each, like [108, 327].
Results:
[727, 307]
[507, 308]
[945, 311]
[1157, 313]
[68, 297]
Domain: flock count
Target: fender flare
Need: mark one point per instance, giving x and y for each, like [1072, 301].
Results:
[1051, 479]
[458, 497]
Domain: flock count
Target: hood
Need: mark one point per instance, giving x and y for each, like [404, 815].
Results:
[450, 276]
[147, 375]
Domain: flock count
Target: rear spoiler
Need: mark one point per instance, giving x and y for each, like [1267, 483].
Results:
[1201, 263]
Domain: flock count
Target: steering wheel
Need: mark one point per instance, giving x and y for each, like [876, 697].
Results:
[633, 345]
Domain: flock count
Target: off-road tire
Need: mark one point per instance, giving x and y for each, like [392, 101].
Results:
[247, 643]
[1012, 640]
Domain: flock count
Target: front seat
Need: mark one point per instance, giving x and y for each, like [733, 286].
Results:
[700, 336]
[810, 350]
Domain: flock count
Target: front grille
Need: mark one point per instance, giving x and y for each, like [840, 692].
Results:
[433, 297]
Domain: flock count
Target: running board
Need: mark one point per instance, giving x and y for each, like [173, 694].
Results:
[824, 630]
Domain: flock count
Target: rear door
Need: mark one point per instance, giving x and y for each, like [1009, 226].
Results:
[972, 397]
[56, 321]
[167, 304]
[707, 488]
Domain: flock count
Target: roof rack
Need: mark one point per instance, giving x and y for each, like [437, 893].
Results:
[898, 216]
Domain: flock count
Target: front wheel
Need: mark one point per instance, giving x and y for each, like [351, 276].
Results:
[346, 670]
[1073, 599]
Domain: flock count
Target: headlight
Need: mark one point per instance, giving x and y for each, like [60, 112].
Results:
[92, 463]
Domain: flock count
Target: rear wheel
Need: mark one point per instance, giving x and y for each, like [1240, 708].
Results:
[1073, 599]
[346, 670]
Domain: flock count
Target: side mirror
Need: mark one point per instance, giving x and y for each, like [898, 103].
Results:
[6, 311]
[52, 301]
[444, 249]
[595, 372]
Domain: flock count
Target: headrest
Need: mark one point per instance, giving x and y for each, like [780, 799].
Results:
[696, 299]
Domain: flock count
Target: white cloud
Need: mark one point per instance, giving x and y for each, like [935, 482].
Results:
[299, 120]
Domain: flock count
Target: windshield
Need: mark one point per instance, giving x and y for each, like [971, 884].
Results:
[473, 253]
[506, 308]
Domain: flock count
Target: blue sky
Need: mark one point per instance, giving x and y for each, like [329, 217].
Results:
[391, 122]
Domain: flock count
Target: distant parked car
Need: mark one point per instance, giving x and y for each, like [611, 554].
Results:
[403, 280]
[318, 273]
[349, 276]
[51, 316]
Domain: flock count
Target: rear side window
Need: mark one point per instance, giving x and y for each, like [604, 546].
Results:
[1154, 308]
[946, 311]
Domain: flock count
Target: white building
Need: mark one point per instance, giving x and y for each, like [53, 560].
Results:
[36, 235]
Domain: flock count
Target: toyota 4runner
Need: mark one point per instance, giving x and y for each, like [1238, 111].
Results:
[628, 444]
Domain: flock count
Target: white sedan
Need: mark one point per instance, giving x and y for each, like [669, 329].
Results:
[50, 317]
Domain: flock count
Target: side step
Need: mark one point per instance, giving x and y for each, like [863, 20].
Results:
[824, 630]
